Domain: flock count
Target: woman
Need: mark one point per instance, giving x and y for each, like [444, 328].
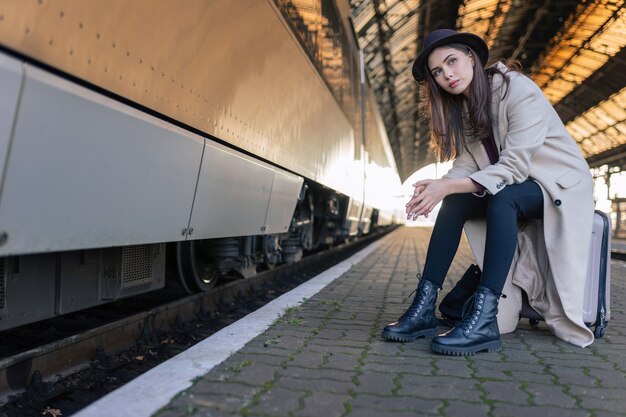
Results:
[513, 160]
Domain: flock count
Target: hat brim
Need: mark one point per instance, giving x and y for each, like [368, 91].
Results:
[473, 41]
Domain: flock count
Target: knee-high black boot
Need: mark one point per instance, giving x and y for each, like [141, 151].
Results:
[419, 320]
[477, 331]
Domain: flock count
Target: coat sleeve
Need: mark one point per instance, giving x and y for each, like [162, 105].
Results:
[462, 167]
[525, 113]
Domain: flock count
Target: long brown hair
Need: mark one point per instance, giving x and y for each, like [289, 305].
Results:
[452, 126]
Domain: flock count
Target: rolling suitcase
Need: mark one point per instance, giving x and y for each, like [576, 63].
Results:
[597, 299]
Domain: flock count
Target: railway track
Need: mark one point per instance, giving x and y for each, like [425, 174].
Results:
[71, 372]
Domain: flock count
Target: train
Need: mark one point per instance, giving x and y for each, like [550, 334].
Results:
[203, 137]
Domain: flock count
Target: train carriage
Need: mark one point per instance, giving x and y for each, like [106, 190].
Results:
[216, 135]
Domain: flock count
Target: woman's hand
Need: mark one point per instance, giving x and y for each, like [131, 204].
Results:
[427, 194]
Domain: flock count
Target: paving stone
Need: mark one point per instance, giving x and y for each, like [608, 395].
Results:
[616, 378]
[369, 412]
[446, 367]
[334, 374]
[218, 402]
[505, 391]
[265, 358]
[577, 376]
[326, 349]
[505, 367]
[437, 392]
[512, 410]
[306, 384]
[379, 367]
[332, 334]
[357, 335]
[391, 404]
[400, 360]
[256, 374]
[287, 341]
[269, 349]
[421, 350]
[324, 404]
[550, 395]
[532, 377]
[616, 406]
[277, 401]
[356, 322]
[186, 409]
[381, 384]
[280, 331]
[559, 363]
[420, 367]
[613, 393]
[306, 360]
[605, 414]
[455, 408]
[380, 347]
[438, 381]
[347, 315]
[334, 343]
[341, 361]
[223, 387]
[348, 325]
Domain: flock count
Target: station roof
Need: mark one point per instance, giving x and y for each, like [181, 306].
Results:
[574, 50]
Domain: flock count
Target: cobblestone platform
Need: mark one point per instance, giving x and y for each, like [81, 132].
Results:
[325, 357]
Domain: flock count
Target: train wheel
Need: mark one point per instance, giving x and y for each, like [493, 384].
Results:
[197, 270]
[272, 252]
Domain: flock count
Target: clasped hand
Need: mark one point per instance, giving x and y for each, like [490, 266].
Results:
[427, 194]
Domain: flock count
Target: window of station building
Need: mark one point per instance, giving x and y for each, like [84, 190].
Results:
[610, 196]
[318, 26]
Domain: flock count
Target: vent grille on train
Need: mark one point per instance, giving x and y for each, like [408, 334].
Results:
[137, 262]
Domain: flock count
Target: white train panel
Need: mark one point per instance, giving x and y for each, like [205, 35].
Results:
[11, 74]
[232, 69]
[234, 194]
[109, 175]
[86, 172]
[282, 203]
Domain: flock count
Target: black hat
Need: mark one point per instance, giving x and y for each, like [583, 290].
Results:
[442, 37]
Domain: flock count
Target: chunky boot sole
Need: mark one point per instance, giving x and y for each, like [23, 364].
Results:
[399, 337]
[493, 346]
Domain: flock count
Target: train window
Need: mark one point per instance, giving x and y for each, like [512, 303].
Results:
[318, 26]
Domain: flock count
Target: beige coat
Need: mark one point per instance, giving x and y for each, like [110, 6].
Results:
[550, 263]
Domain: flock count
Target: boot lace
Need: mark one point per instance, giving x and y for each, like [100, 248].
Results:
[418, 301]
[472, 309]
[470, 316]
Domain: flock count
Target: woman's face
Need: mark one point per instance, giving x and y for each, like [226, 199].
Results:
[453, 70]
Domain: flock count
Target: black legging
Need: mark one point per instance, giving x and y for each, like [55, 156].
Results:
[501, 210]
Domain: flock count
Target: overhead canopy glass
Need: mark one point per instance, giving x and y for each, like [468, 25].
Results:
[602, 127]
[591, 36]
[483, 18]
